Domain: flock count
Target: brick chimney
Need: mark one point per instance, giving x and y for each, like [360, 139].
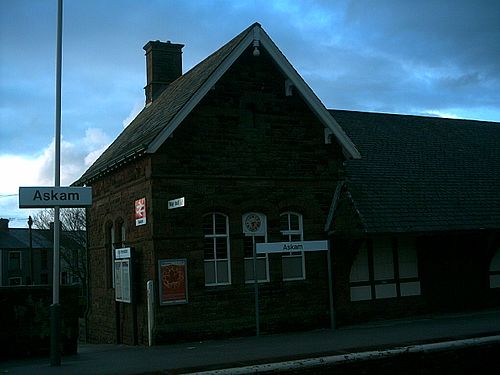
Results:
[4, 225]
[163, 66]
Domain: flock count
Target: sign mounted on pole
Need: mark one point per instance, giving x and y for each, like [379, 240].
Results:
[48, 197]
[281, 247]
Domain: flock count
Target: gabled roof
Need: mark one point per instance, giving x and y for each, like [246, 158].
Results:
[19, 238]
[420, 174]
[155, 123]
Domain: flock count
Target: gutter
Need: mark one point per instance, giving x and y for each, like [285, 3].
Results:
[140, 151]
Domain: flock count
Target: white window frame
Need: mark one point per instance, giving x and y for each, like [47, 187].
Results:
[213, 235]
[494, 270]
[249, 260]
[378, 283]
[287, 236]
[20, 260]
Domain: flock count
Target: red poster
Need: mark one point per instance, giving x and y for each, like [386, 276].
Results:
[140, 211]
[173, 281]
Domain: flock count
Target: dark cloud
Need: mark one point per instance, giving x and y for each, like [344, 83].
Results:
[416, 57]
[398, 56]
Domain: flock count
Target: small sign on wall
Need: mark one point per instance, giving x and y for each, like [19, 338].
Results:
[140, 212]
[172, 275]
[176, 203]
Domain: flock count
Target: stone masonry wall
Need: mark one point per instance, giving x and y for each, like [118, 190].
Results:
[245, 147]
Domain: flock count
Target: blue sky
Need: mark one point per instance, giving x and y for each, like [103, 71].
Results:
[434, 58]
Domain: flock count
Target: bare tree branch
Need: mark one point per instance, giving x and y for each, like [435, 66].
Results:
[73, 239]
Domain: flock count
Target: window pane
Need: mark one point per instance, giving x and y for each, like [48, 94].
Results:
[361, 293]
[248, 247]
[294, 222]
[209, 248]
[221, 247]
[495, 262]
[248, 269]
[44, 259]
[209, 272]
[383, 261]
[385, 291]
[222, 272]
[284, 226]
[359, 269]
[14, 261]
[494, 281]
[208, 226]
[13, 281]
[220, 224]
[410, 289]
[261, 269]
[407, 254]
[292, 267]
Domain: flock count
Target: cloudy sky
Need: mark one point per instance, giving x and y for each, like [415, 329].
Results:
[426, 57]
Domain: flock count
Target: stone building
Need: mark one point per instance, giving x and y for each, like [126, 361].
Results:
[235, 152]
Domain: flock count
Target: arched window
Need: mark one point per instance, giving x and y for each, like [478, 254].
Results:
[293, 263]
[255, 231]
[495, 270]
[216, 249]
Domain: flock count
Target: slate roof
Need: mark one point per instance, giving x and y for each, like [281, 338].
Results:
[152, 119]
[156, 121]
[420, 174]
[18, 238]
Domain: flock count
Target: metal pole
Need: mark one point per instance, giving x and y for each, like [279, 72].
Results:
[55, 308]
[330, 286]
[256, 288]
[30, 224]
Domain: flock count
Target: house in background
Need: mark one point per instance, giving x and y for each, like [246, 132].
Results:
[26, 256]
[240, 151]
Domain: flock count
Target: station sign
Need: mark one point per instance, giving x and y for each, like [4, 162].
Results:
[282, 247]
[140, 212]
[123, 253]
[47, 197]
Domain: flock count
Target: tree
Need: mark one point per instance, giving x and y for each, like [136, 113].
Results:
[73, 239]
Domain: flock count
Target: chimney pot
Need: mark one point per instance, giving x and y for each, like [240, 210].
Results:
[163, 66]
[4, 225]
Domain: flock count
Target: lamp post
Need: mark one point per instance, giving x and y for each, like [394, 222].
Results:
[30, 224]
[55, 308]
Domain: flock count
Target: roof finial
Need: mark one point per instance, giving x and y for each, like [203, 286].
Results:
[256, 41]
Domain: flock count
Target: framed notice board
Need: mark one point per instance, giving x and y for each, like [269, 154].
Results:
[172, 276]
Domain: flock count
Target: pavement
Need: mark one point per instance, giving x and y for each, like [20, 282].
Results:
[444, 330]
